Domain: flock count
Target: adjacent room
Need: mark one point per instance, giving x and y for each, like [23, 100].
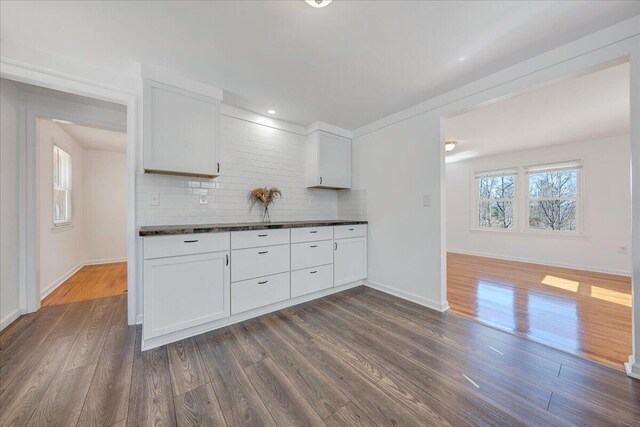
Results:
[539, 215]
[319, 213]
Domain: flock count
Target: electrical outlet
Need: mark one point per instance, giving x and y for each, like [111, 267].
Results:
[203, 199]
[426, 200]
[154, 199]
[622, 249]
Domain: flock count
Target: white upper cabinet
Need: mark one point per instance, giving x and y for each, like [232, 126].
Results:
[328, 160]
[181, 131]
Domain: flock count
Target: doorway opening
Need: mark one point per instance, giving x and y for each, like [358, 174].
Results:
[539, 215]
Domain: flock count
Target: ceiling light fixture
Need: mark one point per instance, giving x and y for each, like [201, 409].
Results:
[271, 111]
[461, 59]
[64, 122]
[318, 3]
[450, 145]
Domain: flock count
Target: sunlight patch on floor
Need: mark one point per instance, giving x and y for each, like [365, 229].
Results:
[559, 282]
[611, 296]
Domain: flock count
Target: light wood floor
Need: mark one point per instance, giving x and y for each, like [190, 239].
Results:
[90, 282]
[360, 357]
[585, 313]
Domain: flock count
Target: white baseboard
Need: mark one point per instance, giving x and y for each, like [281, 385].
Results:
[425, 302]
[632, 368]
[541, 262]
[53, 286]
[139, 319]
[9, 318]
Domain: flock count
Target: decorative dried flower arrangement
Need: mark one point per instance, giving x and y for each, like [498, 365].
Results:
[266, 197]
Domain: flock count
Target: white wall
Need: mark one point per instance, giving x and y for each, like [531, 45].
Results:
[105, 195]
[9, 243]
[253, 155]
[606, 209]
[61, 248]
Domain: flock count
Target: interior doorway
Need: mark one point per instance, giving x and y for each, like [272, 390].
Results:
[539, 215]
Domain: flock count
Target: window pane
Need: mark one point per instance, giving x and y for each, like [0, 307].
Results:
[552, 215]
[495, 215]
[553, 184]
[497, 187]
[59, 206]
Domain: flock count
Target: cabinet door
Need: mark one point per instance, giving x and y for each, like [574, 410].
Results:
[185, 291]
[334, 161]
[181, 131]
[350, 260]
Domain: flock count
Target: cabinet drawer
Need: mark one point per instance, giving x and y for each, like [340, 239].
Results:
[185, 244]
[311, 234]
[304, 255]
[256, 238]
[257, 262]
[259, 292]
[311, 280]
[346, 231]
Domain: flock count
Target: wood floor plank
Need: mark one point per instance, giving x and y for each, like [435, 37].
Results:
[19, 401]
[107, 400]
[199, 407]
[349, 415]
[315, 387]
[62, 403]
[185, 364]
[88, 345]
[136, 410]
[247, 350]
[9, 334]
[238, 399]
[73, 320]
[157, 399]
[280, 397]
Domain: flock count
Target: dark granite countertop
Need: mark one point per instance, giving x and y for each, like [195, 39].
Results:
[163, 230]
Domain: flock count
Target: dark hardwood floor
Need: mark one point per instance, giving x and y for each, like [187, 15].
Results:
[582, 312]
[360, 357]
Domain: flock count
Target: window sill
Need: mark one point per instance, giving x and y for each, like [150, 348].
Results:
[542, 234]
[61, 228]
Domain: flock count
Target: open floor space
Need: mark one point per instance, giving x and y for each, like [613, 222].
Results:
[90, 282]
[358, 357]
[585, 313]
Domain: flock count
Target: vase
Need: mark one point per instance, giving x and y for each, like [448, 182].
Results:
[265, 214]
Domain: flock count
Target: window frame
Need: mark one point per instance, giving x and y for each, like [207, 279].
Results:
[514, 200]
[68, 190]
[576, 165]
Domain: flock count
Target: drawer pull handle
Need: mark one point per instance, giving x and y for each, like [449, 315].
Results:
[262, 283]
[313, 232]
[313, 272]
[335, 246]
[313, 246]
[263, 252]
[190, 241]
[351, 229]
[227, 257]
[262, 235]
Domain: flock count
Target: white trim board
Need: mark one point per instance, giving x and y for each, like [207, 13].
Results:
[10, 318]
[425, 302]
[540, 262]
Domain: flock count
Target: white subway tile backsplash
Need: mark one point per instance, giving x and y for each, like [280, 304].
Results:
[252, 156]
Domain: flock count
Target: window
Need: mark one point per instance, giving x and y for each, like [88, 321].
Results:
[496, 196]
[554, 197]
[61, 187]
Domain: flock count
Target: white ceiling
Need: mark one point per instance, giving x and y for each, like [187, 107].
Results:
[92, 138]
[347, 64]
[592, 106]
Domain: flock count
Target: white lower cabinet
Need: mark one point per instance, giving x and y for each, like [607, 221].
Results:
[254, 293]
[185, 291]
[350, 260]
[311, 280]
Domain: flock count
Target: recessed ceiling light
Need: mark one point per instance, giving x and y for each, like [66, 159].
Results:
[318, 3]
[271, 111]
[65, 122]
[449, 145]
[461, 59]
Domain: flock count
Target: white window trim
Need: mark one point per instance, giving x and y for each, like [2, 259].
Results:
[475, 225]
[556, 167]
[67, 225]
[521, 213]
